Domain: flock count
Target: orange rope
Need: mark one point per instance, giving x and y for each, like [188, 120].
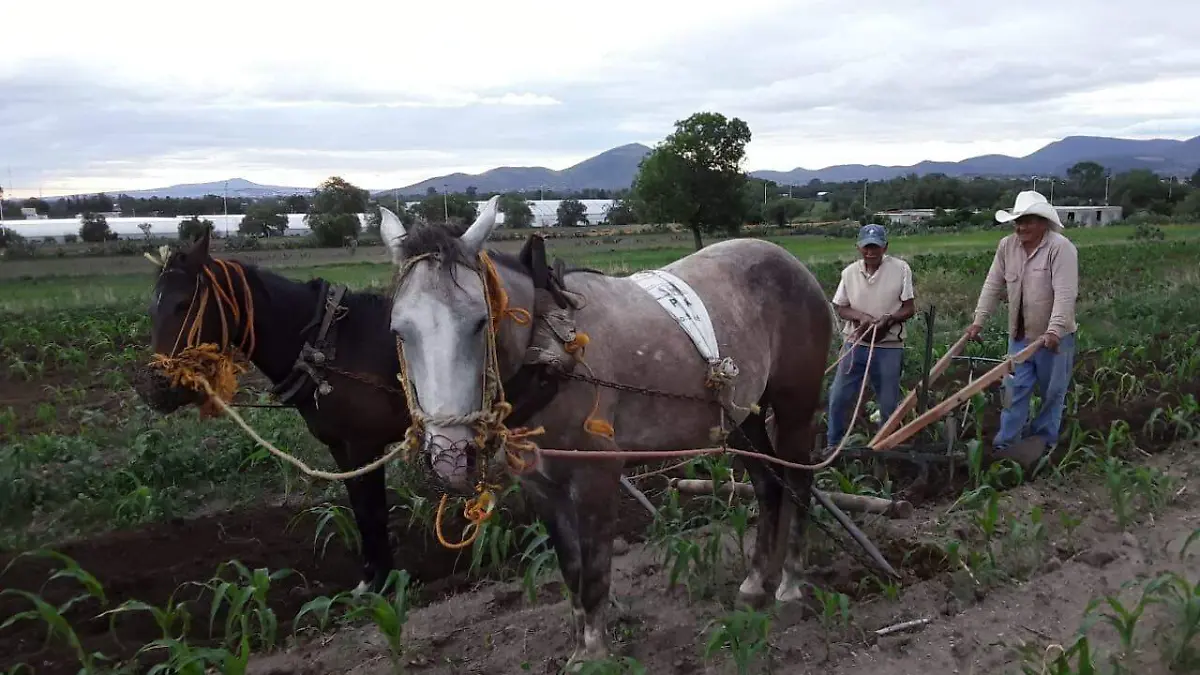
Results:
[198, 363]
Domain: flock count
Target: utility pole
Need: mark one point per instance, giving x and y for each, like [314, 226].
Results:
[1107, 178]
[865, 194]
[397, 202]
[225, 202]
[446, 202]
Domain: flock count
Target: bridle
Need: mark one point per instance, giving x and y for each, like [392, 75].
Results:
[208, 362]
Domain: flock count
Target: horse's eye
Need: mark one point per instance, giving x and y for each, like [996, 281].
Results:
[481, 324]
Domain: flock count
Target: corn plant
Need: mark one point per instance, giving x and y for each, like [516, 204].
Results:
[389, 616]
[340, 522]
[247, 612]
[743, 634]
[1181, 600]
[539, 558]
[54, 616]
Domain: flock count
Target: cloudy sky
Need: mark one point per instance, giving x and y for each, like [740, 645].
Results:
[129, 94]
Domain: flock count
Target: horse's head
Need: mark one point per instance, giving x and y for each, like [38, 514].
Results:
[446, 329]
[174, 315]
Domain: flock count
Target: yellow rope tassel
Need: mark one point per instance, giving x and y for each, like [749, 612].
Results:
[200, 365]
[477, 511]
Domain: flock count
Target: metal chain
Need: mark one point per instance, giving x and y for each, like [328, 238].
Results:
[645, 391]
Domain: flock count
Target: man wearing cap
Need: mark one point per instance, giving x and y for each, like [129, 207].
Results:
[874, 292]
[1037, 269]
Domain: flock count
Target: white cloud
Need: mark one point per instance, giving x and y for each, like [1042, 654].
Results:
[133, 94]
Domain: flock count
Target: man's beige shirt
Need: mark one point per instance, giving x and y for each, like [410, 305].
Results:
[1044, 284]
[883, 292]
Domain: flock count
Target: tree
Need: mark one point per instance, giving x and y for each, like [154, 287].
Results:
[145, 228]
[620, 212]
[333, 212]
[784, 210]
[94, 228]
[9, 238]
[297, 204]
[694, 176]
[1190, 206]
[263, 219]
[434, 208]
[191, 229]
[571, 213]
[516, 210]
[1195, 179]
[1087, 179]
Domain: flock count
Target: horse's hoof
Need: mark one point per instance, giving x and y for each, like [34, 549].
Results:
[789, 590]
[583, 655]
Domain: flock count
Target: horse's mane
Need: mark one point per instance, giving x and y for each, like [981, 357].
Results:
[444, 243]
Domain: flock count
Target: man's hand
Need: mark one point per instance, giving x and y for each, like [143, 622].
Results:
[883, 323]
[864, 321]
[973, 332]
[1050, 341]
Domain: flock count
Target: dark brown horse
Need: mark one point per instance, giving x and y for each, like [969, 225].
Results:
[329, 353]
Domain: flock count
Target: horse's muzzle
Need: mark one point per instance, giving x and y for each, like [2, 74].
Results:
[452, 464]
[157, 392]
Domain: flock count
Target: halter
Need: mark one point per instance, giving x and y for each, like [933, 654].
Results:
[488, 420]
[214, 363]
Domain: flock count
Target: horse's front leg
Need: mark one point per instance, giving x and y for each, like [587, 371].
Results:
[578, 507]
[368, 500]
[552, 504]
[594, 489]
[769, 493]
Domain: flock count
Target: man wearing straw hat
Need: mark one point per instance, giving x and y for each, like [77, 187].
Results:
[875, 294]
[1037, 269]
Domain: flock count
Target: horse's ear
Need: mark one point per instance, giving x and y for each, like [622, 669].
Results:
[197, 254]
[533, 258]
[482, 228]
[392, 231]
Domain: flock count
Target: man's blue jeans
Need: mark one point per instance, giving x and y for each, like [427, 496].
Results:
[886, 365]
[1051, 373]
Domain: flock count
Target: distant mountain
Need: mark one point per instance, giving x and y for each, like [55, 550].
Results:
[234, 187]
[615, 169]
[1163, 156]
[610, 170]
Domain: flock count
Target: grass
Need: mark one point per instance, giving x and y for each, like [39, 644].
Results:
[79, 454]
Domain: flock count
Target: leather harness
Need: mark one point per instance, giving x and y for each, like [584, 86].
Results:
[307, 377]
[535, 383]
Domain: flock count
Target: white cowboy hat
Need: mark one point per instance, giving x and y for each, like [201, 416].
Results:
[1031, 203]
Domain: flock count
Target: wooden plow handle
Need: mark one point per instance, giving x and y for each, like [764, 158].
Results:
[942, 409]
[942, 365]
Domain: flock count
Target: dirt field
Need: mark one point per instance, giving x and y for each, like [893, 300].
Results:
[971, 629]
[153, 506]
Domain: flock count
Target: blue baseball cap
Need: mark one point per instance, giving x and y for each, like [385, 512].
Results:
[872, 234]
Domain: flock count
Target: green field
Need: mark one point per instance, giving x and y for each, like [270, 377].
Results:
[90, 282]
[80, 455]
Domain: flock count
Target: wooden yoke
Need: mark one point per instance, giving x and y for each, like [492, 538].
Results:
[942, 365]
[942, 409]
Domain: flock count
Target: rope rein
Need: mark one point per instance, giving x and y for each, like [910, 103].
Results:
[213, 369]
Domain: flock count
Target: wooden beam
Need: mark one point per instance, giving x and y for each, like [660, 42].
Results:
[910, 401]
[942, 409]
[899, 509]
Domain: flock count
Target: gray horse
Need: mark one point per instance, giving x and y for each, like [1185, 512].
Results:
[768, 313]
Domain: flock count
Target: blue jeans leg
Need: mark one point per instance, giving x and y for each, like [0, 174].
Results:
[843, 393]
[886, 366]
[1014, 417]
[1050, 372]
[1054, 381]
